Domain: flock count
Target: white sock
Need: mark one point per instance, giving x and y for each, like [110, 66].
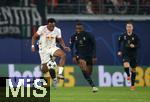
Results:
[60, 70]
[55, 79]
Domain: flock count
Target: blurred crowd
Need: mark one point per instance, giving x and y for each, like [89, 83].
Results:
[100, 6]
[126, 6]
[87, 6]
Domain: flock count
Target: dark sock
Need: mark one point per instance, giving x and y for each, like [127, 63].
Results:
[88, 78]
[52, 73]
[133, 78]
[127, 71]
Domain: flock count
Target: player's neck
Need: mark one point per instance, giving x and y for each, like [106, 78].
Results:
[50, 29]
[80, 32]
[129, 33]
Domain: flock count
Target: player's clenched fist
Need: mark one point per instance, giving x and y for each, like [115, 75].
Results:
[119, 53]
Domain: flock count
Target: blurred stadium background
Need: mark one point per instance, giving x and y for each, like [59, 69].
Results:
[105, 19]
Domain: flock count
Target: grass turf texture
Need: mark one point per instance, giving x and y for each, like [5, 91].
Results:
[105, 94]
[84, 94]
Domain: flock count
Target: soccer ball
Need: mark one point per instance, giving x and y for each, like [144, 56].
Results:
[51, 64]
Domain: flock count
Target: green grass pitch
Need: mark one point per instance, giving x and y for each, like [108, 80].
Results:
[105, 94]
[84, 94]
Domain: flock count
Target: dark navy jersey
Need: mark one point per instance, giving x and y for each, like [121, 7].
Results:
[84, 44]
[124, 42]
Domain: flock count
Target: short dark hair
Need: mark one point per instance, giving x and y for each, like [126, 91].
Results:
[51, 20]
[129, 22]
[78, 23]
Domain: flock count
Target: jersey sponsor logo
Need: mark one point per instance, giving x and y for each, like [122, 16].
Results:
[50, 37]
[13, 87]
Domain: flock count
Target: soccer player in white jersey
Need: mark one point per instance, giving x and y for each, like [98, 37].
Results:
[48, 35]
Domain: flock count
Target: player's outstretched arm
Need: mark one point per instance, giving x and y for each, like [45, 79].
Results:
[34, 38]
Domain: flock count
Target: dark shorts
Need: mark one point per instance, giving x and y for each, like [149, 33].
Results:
[131, 59]
[88, 59]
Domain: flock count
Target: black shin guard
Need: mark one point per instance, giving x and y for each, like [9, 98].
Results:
[133, 78]
[88, 78]
[127, 71]
[52, 73]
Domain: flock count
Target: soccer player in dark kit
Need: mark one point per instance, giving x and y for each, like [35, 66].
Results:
[128, 43]
[85, 52]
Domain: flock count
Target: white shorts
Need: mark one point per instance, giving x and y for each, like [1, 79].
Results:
[45, 55]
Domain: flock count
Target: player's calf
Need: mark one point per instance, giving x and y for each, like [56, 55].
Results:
[46, 74]
[59, 53]
[133, 75]
[45, 71]
[53, 76]
[126, 68]
[44, 68]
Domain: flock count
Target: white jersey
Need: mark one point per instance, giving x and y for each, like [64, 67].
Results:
[47, 38]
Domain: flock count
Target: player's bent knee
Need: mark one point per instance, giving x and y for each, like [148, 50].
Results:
[60, 53]
[82, 66]
[63, 55]
[44, 68]
[126, 64]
